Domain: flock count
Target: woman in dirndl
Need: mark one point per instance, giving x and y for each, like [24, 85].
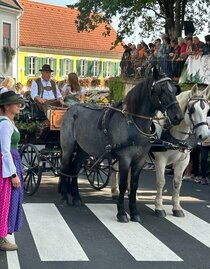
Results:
[11, 179]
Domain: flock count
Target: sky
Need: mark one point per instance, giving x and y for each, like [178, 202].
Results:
[133, 39]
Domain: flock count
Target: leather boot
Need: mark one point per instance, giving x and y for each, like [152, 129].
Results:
[5, 245]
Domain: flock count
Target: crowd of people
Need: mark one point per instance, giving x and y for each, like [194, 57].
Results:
[170, 54]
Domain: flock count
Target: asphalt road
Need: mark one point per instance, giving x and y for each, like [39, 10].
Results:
[89, 236]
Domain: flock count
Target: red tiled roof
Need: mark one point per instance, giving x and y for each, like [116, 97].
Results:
[49, 26]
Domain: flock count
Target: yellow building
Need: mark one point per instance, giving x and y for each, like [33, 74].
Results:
[48, 34]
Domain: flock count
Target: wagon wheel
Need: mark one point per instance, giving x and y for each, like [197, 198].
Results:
[98, 176]
[32, 169]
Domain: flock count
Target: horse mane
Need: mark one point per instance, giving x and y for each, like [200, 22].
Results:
[137, 94]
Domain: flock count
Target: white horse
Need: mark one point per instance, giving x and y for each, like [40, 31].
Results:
[194, 105]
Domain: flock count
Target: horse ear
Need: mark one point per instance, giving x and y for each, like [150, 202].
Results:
[206, 92]
[194, 90]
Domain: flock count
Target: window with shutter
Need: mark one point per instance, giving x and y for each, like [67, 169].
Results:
[32, 65]
[27, 62]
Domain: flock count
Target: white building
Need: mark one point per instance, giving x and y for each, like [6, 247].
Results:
[10, 12]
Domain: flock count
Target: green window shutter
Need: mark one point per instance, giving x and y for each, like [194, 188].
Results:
[89, 68]
[44, 61]
[117, 69]
[99, 69]
[78, 67]
[39, 65]
[27, 63]
[104, 69]
[54, 66]
[61, 67]
[71, 66]
[114, 70]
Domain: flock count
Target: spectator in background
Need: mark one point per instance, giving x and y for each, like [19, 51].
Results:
[189, 48]
[206, 46]
[134, 54]
[180, 61]
[166, 63]
[6, 84]
[19, 88]
[197, 46]
[157, 52]
[140, 57]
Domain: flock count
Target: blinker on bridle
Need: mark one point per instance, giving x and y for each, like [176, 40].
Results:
[156, 87]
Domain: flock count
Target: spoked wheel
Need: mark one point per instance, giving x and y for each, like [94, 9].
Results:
[56, 163]
[32, 169]
[98, 176]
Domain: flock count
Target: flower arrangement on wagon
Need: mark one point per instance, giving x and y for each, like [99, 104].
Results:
[100, 97]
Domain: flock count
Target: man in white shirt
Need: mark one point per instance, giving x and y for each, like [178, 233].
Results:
[44, 89]
[45, 94]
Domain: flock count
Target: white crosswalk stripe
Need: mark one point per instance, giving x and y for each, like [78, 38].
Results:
[12, 256]
[55, 240]
[139, 242]
[194, 226]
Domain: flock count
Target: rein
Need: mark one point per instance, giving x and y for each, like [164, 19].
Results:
[124, 112]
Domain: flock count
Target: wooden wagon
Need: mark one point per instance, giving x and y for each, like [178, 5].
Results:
[42, 153]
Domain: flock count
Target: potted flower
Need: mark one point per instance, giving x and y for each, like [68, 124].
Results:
[9, 53]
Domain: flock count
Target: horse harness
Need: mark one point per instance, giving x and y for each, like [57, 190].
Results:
[191, 109]
[184, 146]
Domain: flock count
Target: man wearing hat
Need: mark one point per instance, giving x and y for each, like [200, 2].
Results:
[11, 179]
[44, 89]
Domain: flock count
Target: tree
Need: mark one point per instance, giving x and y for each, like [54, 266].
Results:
[152, 15]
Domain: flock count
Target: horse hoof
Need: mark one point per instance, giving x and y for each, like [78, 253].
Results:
[135, 218]
[122, 218]
[160, 213]
[178, 213]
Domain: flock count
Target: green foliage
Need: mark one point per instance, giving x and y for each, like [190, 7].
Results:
[116, 88]
[9, 53]
[150, 15]
[27, 127]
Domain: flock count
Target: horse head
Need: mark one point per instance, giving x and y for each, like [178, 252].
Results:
[163, 96]
[196, 110]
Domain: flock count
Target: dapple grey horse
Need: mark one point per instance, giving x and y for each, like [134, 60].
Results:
[127, 138]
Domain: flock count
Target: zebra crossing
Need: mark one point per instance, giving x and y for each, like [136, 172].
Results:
[55, 239]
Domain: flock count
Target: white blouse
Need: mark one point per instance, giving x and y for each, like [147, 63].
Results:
[3, 89]
[6, 131]
[49, 95]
